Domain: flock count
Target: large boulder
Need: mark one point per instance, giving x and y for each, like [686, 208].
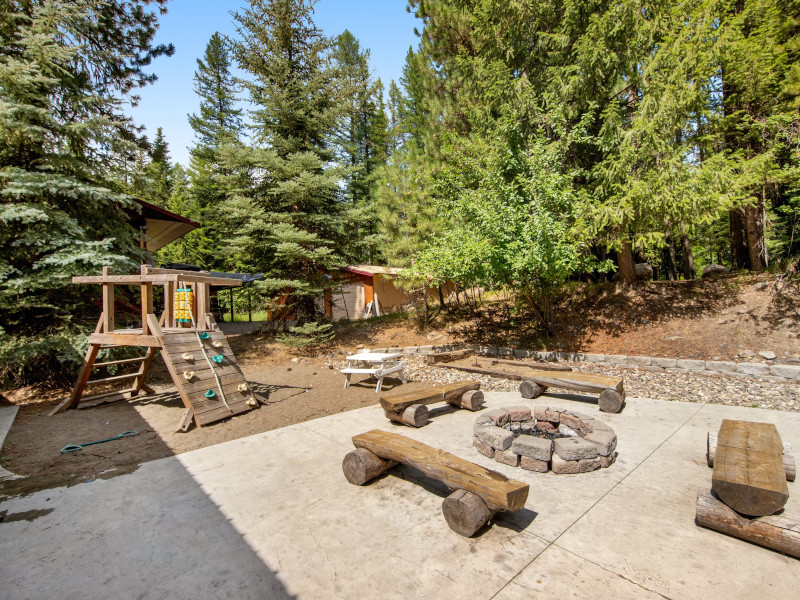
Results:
[713, 270]
[644, 272]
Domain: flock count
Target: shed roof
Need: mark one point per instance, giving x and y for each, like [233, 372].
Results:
[163, 226]
[373, 270]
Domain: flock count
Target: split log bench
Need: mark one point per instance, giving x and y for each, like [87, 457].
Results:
[610, 389]
[748, 468]
[410, 408]
[748, 487]
[478, 493]
[789, 465]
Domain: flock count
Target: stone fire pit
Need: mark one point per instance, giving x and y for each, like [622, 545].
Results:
[545, 439]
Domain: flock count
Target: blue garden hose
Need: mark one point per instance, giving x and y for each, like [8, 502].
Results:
[76, 447]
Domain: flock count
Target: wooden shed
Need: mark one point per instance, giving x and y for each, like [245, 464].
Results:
[369, 291]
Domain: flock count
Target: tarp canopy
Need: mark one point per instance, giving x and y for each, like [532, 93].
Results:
[245, 278]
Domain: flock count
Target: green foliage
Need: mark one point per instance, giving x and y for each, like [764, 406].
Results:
[308, 336]
[512, 218]
[63, 70]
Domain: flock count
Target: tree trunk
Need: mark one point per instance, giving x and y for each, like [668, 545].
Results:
[754, 227]
[669, 254]
[689, 271]
[441, 297]
[741, 257]
[627, 273]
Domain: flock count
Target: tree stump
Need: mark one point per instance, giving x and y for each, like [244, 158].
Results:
[610, 401]
[361, 465]
[415, 415]
[531, 389]
[472, 400]
[465, 512]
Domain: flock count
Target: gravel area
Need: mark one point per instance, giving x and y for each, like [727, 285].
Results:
[730, 390]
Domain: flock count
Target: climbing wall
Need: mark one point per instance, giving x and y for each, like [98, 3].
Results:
[193, 391]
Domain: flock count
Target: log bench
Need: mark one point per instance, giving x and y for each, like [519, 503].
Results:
[610, 390]
[410, 408]
[749, 475]
[789, 465]
[478, 493]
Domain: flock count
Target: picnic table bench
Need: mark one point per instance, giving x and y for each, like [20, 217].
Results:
[610, 389]
[410, 408]
[478, 492]
[380, 364]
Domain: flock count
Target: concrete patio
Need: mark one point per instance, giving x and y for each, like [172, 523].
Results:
[272, 516]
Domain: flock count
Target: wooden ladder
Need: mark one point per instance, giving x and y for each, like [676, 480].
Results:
[90, 362]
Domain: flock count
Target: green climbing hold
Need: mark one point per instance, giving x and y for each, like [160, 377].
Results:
[218, 358]
[210, 394]
[204, 335]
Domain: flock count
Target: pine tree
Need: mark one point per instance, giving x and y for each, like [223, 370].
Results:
[158, 172]
[219, 121]
[63, 69]
[218, 124]
[291, 227]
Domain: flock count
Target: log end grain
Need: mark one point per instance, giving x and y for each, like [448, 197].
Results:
[465, 512]
[530, 389]
[472, 400]
[610, 401]
[361, 466]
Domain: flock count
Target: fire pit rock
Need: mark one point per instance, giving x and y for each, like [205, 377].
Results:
[545, 439]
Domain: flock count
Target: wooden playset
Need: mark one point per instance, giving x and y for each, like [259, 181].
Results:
[610, 389]
[196, 353]
[748, 486]
[478, 493]
[410, 408]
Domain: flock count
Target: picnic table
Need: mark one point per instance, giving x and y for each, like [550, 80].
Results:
[374, 364]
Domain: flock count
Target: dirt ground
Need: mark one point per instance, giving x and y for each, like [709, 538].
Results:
[293, 392]
[718, 319]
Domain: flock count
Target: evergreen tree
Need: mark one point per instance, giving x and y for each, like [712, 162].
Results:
[63, 69]
[158, 172]
[291, 227]
[218, 124]
[359, 141]
[219, 121]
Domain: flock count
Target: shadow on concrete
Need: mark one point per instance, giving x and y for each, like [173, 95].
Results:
[146, 531]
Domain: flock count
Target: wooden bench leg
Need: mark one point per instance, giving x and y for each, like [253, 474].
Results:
[347, 381]
[610, 401]
[465, 512]
[530, 389]
[380, 384]
[415, 415]
[361, 465]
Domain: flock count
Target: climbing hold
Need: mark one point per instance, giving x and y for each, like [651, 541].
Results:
[204, 335]
[188, 375]
[218, 358]
[210, 394]
[216, 344]
[242, 387]
[187, 357]
[252, 402]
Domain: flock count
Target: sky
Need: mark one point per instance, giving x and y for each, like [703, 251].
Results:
[382, 26]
